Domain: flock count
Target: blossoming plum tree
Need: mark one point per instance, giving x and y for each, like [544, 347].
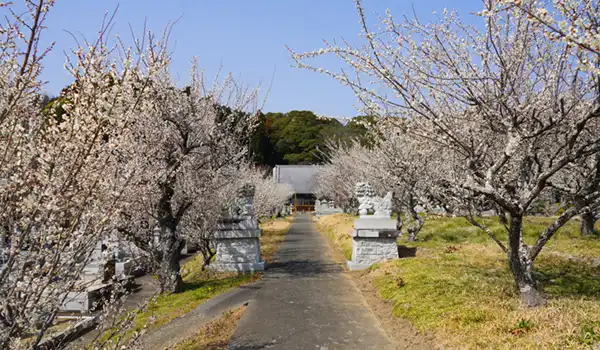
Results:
[61, 180]
[506, 105]
[185, 149]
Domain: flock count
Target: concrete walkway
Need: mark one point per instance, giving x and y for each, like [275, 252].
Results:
[305, 301]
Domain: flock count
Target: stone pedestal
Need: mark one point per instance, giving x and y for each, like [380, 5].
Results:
[374, 239]
[238, 246]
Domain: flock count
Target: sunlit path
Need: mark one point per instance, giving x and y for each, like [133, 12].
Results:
[306, 302]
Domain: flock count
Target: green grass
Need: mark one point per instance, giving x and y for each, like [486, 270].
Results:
[203, 285]
[459, 288]
[467, 297]
[167, 307]
[199, 287]
[441, 231]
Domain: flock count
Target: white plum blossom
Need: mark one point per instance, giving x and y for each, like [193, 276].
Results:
[503, 109]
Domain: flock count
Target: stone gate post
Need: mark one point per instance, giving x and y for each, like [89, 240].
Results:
[237, 237]
[374, 237]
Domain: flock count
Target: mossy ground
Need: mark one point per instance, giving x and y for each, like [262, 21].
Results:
[458, 286]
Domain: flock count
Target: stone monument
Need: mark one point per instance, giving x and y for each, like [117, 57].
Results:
[374, 237]
[237, 236]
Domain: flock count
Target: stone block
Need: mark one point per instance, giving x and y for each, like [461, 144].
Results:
[237, 223]
[85, 300]
[238, 250]
[237, 233]
[374, 223]
[238, 246]
[375, 233]
[367, 251]
[123, 268]
[238, 267]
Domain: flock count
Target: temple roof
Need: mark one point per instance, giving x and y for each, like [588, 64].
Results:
[300, 177]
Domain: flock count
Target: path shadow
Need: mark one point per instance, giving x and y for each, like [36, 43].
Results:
[302, 268]
[250, 346]
[407, 252]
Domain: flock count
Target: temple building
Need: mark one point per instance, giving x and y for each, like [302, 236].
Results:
[302, 180]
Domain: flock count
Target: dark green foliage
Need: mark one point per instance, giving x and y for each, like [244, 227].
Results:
[54, 107]
[359, 129]
[301, 137]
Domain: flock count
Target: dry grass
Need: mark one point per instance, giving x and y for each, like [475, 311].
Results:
[273, 233]
[338, 227]
[458, 287]
[214, 335]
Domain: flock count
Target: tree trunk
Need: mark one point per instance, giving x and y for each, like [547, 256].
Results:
[521, 264]
[399, 222]
[207, 253]
[170, 243]
[415, 226]
[588, 219]
[170, 270]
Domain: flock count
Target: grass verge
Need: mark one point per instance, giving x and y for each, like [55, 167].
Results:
[458, 286]
[203, 285]
[338, 227]
[273, 233]
[214, 335]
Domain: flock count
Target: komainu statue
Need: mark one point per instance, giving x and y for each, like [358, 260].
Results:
[383, 206]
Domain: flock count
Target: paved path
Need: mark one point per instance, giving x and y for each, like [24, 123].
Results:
[306, 301]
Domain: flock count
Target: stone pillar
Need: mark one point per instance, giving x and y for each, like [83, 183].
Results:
[238, 245]
[318, 208]
[374, 237]
[237, 237]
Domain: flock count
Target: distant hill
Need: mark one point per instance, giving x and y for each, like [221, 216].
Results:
[301, 137]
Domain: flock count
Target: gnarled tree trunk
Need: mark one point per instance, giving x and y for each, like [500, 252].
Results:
[588, 220]
[171, 243]
[521, 264]
[207, 252]
[169, 274]
[415, 226]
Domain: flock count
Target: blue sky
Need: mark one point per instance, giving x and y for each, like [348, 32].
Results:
[246, 37]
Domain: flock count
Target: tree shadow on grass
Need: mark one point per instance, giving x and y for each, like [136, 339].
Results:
[569, 278]
[406, 252]
[218, 283]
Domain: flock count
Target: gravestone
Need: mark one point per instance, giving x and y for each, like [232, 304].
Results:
[237, 236]
[95, 278]
[374, 237]
[124, 259]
